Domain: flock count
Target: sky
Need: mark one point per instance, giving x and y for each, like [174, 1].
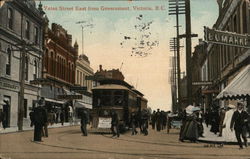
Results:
[105, 42]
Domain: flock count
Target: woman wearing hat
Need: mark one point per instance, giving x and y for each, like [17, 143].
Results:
[227, 134]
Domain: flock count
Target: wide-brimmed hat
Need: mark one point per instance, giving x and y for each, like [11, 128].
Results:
[231, 106]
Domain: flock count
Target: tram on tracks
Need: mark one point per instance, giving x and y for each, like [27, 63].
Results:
[115, 95]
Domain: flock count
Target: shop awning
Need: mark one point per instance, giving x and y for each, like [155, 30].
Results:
[239, 87]
[79, 104]
[54, 101]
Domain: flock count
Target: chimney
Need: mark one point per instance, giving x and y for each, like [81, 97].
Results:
[100, 67]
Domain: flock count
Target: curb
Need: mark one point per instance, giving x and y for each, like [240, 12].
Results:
[17, 131]
[219, 142]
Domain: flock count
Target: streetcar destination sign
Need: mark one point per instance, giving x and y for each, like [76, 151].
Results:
[226, 38]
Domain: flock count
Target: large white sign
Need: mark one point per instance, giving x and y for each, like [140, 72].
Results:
[104, 123]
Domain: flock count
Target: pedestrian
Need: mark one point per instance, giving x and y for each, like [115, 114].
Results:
[84, 122]
[214, 120]
[221, 120]
[133, 122]
[169, 120]
[239, 123]
[227, 134]
[153, 121]
[1, 117]
[206, 115]
[31, 114]
[115, 124]
[62, 117]
[164, 120]
[158, 120]
[39, 121]
[190, 129]
[144, 121]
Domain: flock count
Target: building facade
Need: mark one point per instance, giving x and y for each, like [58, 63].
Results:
[225, 62]
[109, 74]
[21, 25]
[83, 70]
[59, 63]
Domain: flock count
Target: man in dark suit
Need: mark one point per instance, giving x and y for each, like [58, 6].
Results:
[40, 118]
[239, 122]
[84, 122]
[115, 124]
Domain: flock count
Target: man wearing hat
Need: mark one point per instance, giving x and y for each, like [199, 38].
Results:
[239, 122]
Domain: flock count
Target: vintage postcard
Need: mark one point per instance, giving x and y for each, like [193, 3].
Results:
[124, 79]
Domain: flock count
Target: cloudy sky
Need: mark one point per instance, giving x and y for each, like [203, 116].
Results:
[104, 43]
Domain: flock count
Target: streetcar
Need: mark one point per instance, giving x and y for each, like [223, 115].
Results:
[115, 95]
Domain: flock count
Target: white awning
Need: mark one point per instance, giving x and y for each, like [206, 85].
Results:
[239, 87]
[54, 101]
[79, 104]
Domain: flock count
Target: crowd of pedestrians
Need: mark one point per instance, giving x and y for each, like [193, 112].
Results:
[160, 120]
[230, 123]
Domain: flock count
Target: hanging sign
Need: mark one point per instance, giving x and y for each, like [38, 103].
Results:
[226, 38]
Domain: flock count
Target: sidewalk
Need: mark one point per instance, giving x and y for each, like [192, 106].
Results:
[210, 137]
[26, 128]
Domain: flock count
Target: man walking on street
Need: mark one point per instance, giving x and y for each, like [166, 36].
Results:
[115, 124]
[239, 122]
[84, 122]
[40, 119]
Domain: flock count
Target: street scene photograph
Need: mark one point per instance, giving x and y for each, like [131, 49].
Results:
[124, 79]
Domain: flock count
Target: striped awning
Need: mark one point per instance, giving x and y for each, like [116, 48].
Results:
[239, 87]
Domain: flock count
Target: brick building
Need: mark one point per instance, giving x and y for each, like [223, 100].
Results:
[59, 63]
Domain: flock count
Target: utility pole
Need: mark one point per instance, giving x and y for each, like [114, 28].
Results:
[22, 83]
[173, 47]
[177, 7]
[22, 47]
[188, 52]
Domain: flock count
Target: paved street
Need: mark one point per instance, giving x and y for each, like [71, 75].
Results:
[67, 143]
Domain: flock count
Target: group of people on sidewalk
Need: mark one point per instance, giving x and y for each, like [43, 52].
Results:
[230, 122]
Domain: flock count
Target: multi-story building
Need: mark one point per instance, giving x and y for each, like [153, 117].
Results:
[225, 62]
[21, 25]
[198, 57]
[83, 70]
[109, 74]
[59, 63]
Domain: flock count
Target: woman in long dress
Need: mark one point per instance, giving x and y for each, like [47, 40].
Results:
[227, 134]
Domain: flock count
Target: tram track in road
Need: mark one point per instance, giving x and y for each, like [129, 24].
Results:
[59, 141]
[152, 143]
[88, 150]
